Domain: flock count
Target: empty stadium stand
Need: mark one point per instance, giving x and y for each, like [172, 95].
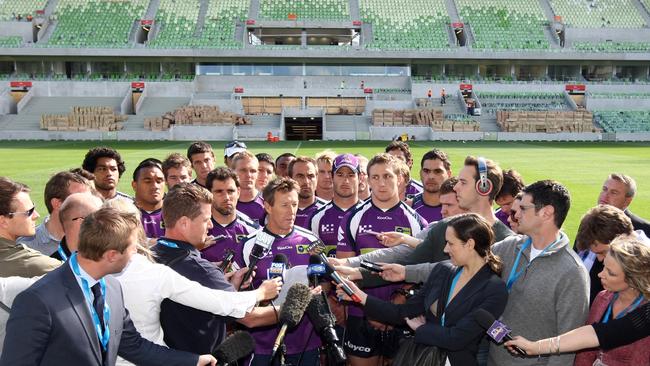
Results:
[11, 10]
[177, 22]
[305, 9]
[598, 13]
[491, 102]
[623, 121]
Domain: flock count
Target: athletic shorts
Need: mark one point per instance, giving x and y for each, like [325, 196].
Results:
[362, 340]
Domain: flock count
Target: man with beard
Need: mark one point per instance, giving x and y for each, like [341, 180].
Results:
[303, 171]
[282, 164]
[149, 185]
[435, 168]
[107, 166]
[229, 226]
[176, 169]
[326, 221]
[250, 202]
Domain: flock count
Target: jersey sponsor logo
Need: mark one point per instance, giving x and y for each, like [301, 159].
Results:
[365, 228]
[354, 347]
[403, 230]
[302, 249]
[384, 218]
[327, 228]
[288, 247]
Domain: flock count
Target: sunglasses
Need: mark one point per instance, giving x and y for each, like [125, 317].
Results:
[27, 213]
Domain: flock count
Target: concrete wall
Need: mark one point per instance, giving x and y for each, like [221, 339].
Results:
[389, 104]
[7, 104]
[226, 105]
[170, 89]
[80, 89]
[191, 133]
[22, 29]
[603, 34]
[624, 104]
[126, 107]
[23, 102]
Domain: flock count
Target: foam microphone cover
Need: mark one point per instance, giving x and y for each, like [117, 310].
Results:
[238, 345]
[294, 306]
[281, 258]
[319, 313]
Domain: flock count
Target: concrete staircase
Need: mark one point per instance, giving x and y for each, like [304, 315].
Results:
[254, 9]
[200, 22]
[645, 12]
[354, 10]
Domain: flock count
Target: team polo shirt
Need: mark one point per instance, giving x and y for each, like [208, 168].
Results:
[254, 209]
[325, 224]
[413, 188]
[304, 214]
[295, 246]
[429, 213]
[502, 216]
[152, 221]
[229, 237]
[353, 235]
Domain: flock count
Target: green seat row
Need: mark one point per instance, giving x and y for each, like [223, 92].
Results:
[623, 121]
[305, 9]
[10, 42]
[11, 9]
[598, 14]
[612, 46]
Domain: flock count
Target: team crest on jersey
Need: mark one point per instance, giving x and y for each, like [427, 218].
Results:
[302, 249]
[403, 230]
[364, 228]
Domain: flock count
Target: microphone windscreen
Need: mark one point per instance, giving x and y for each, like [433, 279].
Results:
[484, 318]
[294, 306]
[238, 345]
[319, 314]
[281, 258]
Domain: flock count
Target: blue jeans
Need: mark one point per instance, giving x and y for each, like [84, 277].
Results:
[309, 358]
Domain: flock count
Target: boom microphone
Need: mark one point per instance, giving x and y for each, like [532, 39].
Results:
[323, 321]
[237, 346]
[495, 329]
[291, 313]
[261, 248]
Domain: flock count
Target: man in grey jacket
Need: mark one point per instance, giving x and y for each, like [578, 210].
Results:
[548, 285]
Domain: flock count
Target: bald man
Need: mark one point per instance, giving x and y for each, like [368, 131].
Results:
[73, 211]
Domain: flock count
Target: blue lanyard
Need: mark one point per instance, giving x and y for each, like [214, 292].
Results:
[451, 291]
[106, 334]
[168, 244]
[514, 275]
[631, 307]
[62, 254]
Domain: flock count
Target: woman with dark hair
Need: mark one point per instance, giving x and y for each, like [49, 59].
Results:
[442, 313]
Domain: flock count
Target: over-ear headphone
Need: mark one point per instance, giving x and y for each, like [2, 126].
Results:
[483, 185]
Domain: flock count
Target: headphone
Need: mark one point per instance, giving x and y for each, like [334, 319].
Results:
[483, 185]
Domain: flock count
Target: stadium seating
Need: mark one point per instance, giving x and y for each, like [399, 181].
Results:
[613, 95]
[420, 25]
[10, 9]
[305, 9]
[94, 24]
[219, 27]
[504, 24]
[612, 46]
[10, 42]
[177, 21]
[491, 102]
[623, 121]
[598, 13]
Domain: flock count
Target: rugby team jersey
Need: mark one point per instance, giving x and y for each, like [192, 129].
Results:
[295, 246]
[429, 213]
[413, 188]
[153, 223]
[229, 237]
[304, 214]
[354, 236]
[254, 209]
[502, 216]
[325, 224]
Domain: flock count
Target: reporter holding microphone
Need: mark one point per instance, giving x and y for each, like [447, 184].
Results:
[442, 313]
[617, 333]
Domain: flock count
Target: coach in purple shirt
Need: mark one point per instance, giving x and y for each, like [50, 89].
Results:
[281, 205]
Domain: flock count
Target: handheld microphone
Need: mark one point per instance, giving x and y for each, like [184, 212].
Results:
[262, 246]
[237, 346]
[495, 329]
[227, 261]
[291, 313]
[323, 321]
[315, 270]
[278, 267]
[317, 249]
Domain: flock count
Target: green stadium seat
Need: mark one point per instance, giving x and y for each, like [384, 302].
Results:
[623, 121]
[612, 46]
[10, 9]
[521, 101]
[598, 14]
[10, 42]
[305, 9]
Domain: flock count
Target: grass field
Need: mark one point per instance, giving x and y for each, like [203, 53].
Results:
[582, 167]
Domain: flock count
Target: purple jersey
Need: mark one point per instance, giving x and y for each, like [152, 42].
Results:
[253, 209]
[353, 235]
[304, 214]
[153, 223]
[502, 216]
[413, 188]
[325, 224]
[294, 245]
[429, 213]
[229, 237]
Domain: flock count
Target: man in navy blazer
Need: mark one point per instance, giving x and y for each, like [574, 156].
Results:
[59, 320]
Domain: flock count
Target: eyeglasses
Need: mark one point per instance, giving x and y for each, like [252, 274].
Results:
[27, 213]
[523, 208]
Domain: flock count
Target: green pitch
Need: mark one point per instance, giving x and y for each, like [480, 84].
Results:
[582, 167]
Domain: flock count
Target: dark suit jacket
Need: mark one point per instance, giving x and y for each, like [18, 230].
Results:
[461, 334]
[639, 223]
[51, 324]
